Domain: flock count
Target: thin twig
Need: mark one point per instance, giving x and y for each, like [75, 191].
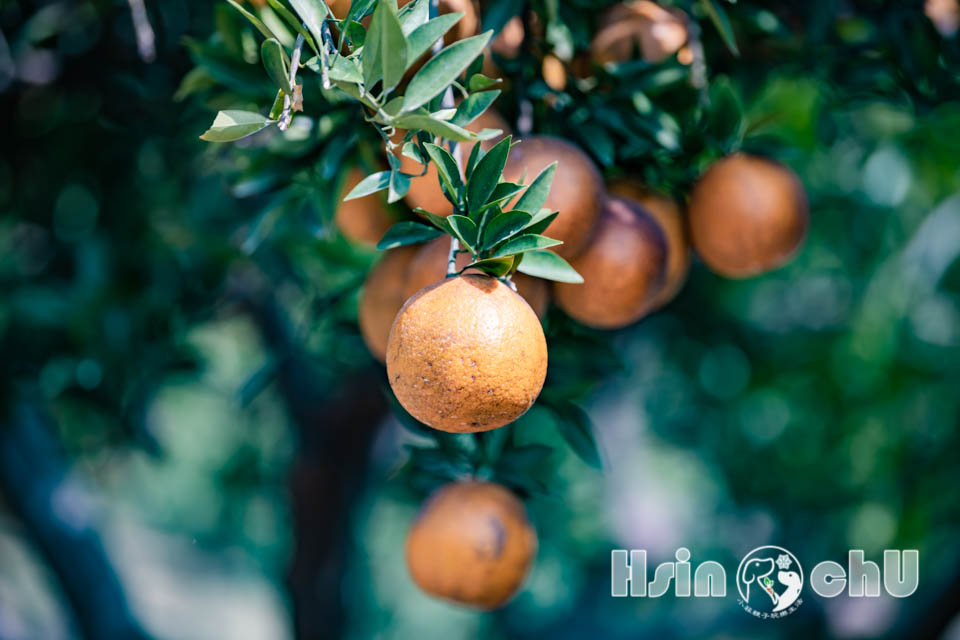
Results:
[698, 66]
[146, 41]
[286, 117]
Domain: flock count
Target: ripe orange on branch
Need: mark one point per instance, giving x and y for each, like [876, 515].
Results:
[623, 269]
[471, 543]
[466, 354]
[666, 213]
[748, 215]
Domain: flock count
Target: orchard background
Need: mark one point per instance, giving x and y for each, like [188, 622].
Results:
[196, 443]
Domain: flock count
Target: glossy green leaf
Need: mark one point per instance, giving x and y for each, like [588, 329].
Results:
[399, 186]
[345, 70]
[295, 23]
[465, 229]
[277, 64]
[435, 126]
[471, 108]
[408, 232]
[541, 221]
[442, 69]
[413, 15]
[423, 37]
[549, 266]
[312, 13]
[485, 176]
[480, 82]
[446, 167]
[358, 9]
[502, 192]
[536, 194]
[385, 47]
[371, 184]
[524, 243]
[504, 226]
[233, 125]
[497, 267]
[440, 222]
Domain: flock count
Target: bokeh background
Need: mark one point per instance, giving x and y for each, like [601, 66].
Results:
[194, 442]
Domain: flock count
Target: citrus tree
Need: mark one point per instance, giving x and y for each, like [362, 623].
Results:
[464, 352]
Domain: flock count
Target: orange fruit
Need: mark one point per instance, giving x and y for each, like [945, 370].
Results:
[657, 32]
[430, 265]
[471, 543]
[425, 190]
[623, 269]
[365, 219]
[466, 354]
[747, 215]
[666, 213]
[577, 191]
[383, 296]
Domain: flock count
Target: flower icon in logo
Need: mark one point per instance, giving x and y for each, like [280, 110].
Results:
[776, 578]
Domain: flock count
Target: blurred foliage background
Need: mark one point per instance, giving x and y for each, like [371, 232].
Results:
[195, 443]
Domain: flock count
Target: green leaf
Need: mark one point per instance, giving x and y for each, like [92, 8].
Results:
[356, 34]
[423, 37]
[541, 220]
[371, 184]
[442, 69]
[435, 126]
[413, 15]
[473, 106]
[485, 176]
[312, 13]
[496, 267]
[722, 22]
[233, 125]
[465, 229]
[446, 167]
[385, 49]
[277, 107]
[549, 266]
[294, 22]
[277, 64]
[504, 226]
[480, 82]
[524, 243]
[404, 233]
[503, 191]
[439, 222]
[254, 20]
[475, 155]
[358, 9]
[399, 186]
[344, 70]
[574, 426]
[536, 194]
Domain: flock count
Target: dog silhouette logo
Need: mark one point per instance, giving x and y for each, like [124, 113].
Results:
[769, 580]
